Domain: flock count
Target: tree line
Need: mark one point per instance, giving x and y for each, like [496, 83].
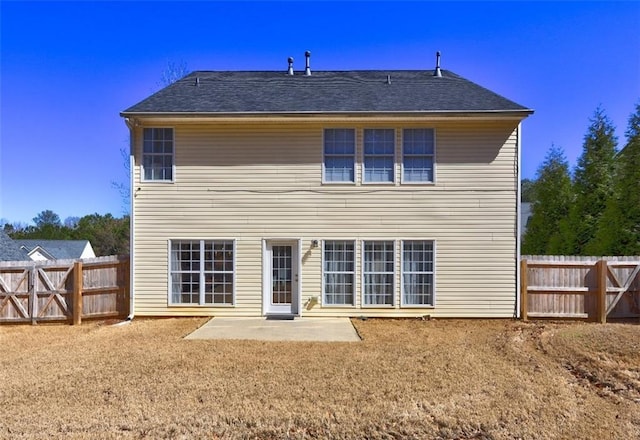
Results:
[108, 235]
[594, 210]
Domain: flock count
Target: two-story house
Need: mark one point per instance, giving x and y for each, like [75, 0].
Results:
[325, 193]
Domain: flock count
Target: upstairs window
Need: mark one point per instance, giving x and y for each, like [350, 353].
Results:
[157, 154]
[339, 155]
[379, 149]
[417, 155]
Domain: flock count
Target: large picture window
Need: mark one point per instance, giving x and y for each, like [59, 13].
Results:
[379, 150]
[417, 273]
[202, 272]
[417, 155]
[339, 272]
[157, 154]
[339, 155]
[378, 273]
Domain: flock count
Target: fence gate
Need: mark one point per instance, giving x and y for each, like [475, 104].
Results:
[53, 290]
[627, 271]
[16, 288]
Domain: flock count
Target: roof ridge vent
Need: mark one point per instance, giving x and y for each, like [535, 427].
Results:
[307, 69]
[290, 69]
[437, 72]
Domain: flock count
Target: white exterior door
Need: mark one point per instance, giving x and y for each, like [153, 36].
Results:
[281, 277]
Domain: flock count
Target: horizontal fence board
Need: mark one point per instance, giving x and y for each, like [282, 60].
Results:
[556, 289]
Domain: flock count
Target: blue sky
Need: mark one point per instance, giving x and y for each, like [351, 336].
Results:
[68, 69]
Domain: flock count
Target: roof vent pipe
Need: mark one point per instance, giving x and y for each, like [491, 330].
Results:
[437, 72]
[290, 69]
[307, 69]
[197, 81]
[388, 79]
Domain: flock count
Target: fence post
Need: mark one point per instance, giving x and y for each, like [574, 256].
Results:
[601, 300]
[33, 291]
[77, 293]
[524, 285]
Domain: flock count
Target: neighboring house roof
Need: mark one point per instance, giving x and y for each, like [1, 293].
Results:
[10, 250]
[361, 91]
[56, 249]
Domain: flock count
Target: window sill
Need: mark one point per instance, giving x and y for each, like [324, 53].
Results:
[377, 306]
[417, 306]
[418, 183]
[339, 183]
[202, 306]
[379, 183]
[338, 306]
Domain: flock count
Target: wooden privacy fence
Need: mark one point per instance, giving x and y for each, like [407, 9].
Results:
[64, 290]
[591, 288]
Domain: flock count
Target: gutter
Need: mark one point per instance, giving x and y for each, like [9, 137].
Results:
[516, 312]
[444, 113]
[131, 125]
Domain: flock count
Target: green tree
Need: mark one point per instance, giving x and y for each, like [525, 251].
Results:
[552, 196]
[526, 190]
[593, 185]
[108, 235]
[47, 226]
[71, 222]
[47, 217]
[619, 227]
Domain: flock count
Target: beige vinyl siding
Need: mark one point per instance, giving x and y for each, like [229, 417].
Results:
[250, 182]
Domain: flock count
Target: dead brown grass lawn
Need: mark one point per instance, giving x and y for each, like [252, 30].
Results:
[448, 379]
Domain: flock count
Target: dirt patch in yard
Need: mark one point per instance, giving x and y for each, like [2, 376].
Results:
[448, 379]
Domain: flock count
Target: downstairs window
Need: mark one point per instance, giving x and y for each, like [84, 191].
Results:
[202, 272]
[417, 273]
[339, 272]
[378, 273]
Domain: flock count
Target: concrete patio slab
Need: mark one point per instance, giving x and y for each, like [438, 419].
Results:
[262, 329]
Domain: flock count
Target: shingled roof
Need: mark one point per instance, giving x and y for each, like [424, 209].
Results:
[322, 92]
[10, 250]
[57, 249]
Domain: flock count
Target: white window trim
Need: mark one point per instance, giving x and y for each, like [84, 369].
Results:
[433, 294]
[201, 303]
[355, 162]
[394, 155]
[173, 158]
[363, 303]
[435, 150]
[355, 275]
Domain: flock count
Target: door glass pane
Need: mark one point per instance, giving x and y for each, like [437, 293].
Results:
[281, 277]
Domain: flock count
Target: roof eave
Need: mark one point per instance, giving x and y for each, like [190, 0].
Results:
[520, 114]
